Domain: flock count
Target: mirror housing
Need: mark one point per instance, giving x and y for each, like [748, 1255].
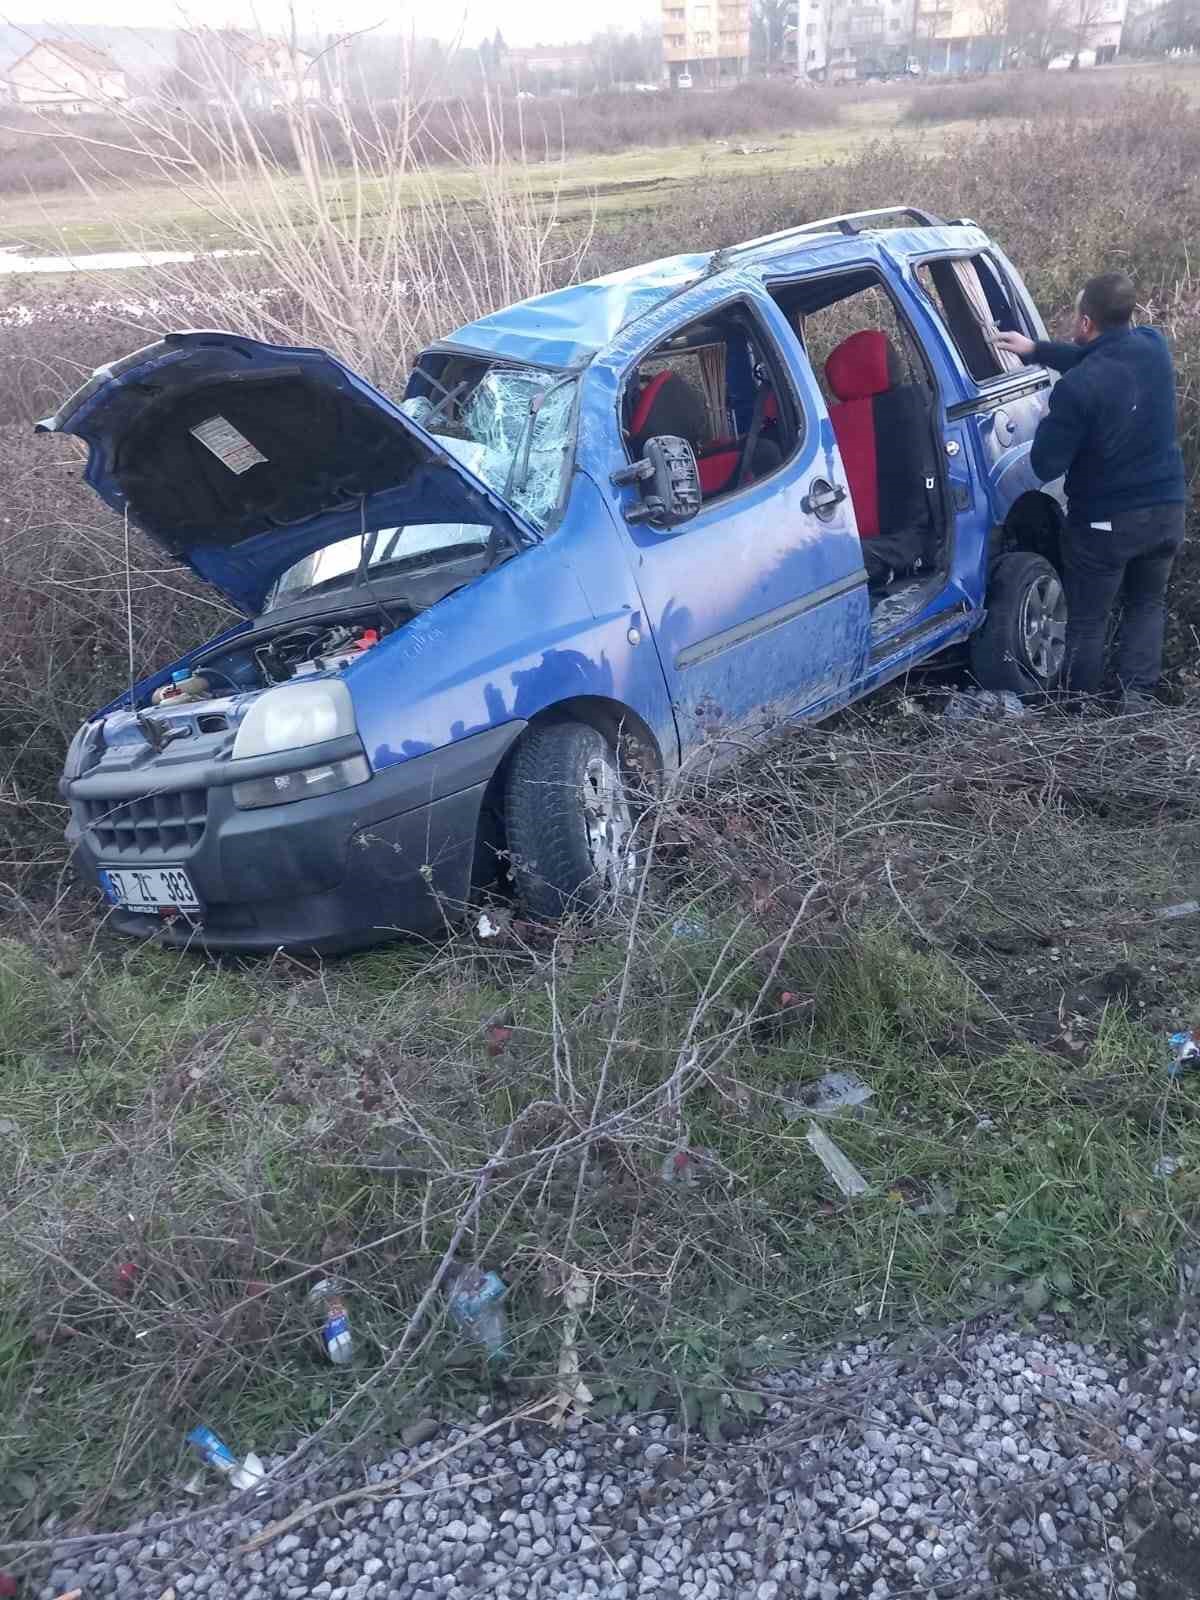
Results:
[669, 480]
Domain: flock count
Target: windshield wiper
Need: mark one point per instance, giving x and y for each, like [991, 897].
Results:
[517, 480]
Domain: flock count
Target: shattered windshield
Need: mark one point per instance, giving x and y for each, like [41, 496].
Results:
[521, 418]
[512, 429]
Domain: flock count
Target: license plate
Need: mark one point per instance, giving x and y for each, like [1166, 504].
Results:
[149, 889]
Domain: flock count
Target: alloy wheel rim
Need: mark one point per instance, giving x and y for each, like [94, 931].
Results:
[1044, 627]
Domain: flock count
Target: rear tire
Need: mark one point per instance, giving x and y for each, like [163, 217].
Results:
[1022, 644]
[568, 820]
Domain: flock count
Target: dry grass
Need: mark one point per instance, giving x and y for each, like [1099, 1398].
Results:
[921, 903]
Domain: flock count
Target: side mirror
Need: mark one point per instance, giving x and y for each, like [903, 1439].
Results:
[669, 480]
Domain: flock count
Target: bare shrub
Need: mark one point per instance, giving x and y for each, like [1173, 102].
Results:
[38, 156]
[1016, 94]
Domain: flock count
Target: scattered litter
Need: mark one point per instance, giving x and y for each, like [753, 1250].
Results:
[494, 924]
[837, 1164]
[996, 705]
[216, 1453]
[497, 1035]
[125, 1277]
[8, 1585]
[1185, 908]
[77, 1594]
[830, 1096]
[572, 1393]
[941, 1202]
[684, 1166]
[1185, 1052]
[195, 1484]
[689, 929]
[1166, 1166]
[475, 1306]
[753, 149]
[7, 1126]
[335, 1330]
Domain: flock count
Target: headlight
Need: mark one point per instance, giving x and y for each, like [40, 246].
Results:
[294, 716]
[285, 787]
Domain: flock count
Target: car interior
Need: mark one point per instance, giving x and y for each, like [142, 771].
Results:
[715, 385]
[884, 406]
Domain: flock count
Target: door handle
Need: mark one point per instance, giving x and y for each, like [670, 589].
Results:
[822, 498]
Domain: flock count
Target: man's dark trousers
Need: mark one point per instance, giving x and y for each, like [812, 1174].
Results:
[1132, 562]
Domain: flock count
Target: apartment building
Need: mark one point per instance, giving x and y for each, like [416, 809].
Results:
[705, 42]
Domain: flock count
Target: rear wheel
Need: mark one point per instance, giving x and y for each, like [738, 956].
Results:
[568, 820]
[1022, 645]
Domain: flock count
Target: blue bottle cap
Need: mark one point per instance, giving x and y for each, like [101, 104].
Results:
[182, 675]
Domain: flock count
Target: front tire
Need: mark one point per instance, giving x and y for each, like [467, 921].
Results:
[1022, 645]
[568, 820]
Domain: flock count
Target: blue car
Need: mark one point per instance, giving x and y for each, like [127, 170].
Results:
[607, 532]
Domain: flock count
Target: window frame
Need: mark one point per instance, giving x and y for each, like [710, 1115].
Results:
[784, 384]
[939, 408]
[997, 380]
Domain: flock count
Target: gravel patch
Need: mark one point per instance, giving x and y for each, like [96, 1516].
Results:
[995, 1461]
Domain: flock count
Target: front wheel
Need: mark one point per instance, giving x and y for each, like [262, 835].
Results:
[568, 820]
[1022, 645]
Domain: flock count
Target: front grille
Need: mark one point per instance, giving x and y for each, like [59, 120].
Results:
[168, 824]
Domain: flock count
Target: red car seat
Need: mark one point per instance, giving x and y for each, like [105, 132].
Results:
[669, 404]
[881, 427]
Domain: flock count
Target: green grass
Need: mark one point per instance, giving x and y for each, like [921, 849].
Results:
[221, 1127]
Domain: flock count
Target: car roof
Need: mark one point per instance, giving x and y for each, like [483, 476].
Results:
[569, 327]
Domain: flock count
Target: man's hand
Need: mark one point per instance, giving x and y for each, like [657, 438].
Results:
[1015, 343]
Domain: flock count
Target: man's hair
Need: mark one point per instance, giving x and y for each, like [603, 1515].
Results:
[1108, 299]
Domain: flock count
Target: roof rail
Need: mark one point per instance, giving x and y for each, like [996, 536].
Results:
[850, 222]
[853, 221]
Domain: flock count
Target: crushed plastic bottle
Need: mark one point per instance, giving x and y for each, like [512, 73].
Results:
[993, 704]
[247, 1474]
[1185, 1052]
[475, 1306]
[335, 1330]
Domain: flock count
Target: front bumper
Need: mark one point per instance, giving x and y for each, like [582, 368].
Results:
[337, 872]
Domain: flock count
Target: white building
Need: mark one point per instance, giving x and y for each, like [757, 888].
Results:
[63, 75]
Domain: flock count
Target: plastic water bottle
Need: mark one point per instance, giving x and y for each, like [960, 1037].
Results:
[216, 1453]
[1185, 1052]
[335, 1330]
[475, 1306]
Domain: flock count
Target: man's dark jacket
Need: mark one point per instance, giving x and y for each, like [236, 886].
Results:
[1111, 425]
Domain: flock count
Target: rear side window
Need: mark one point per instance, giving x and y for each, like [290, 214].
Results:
[717, 383]
[972, 300]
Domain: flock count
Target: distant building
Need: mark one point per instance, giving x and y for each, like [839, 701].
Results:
[63, 75]
[256, 71]
[848, 39]
[705, 42]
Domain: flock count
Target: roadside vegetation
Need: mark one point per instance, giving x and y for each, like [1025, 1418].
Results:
[962, 916]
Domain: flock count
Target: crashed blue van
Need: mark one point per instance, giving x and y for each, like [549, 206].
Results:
[605, 532]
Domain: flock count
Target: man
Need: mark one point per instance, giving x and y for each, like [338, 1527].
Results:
[1111, 428]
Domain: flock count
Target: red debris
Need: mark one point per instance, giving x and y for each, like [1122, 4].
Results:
[497, 1036]
[125, 1277]
[8, 1585]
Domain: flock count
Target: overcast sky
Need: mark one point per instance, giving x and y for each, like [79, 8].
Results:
[521, 21]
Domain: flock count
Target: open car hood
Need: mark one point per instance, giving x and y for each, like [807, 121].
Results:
[241, 458]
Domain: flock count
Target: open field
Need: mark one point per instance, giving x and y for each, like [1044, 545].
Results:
[132, 214]
[963, 917]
